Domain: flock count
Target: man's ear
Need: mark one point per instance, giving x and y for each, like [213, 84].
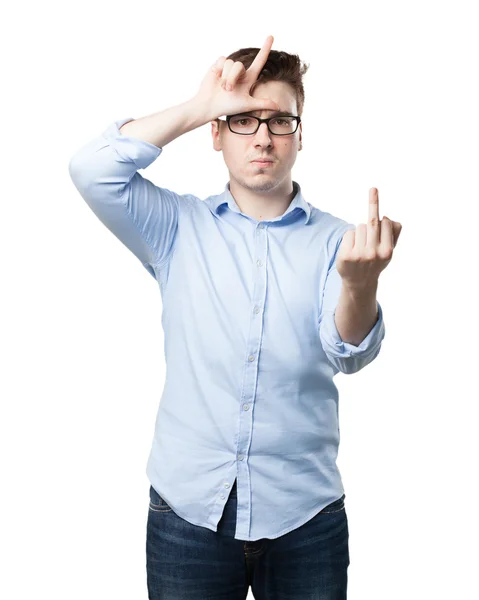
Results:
[216, 135]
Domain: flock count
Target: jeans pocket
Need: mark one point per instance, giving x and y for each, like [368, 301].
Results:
[157, 503]
[335, 506]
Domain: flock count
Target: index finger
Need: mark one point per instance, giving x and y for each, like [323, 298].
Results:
[261, 58]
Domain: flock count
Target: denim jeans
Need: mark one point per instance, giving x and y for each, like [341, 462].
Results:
[189, 562]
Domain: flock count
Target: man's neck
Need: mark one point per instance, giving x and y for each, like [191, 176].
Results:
[263, 205]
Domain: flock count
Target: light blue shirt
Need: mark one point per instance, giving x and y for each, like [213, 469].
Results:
[251, 345]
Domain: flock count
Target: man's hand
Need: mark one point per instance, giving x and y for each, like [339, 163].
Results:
[364, 253]
[225, 89]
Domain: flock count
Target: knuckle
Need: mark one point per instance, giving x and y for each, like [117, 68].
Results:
[219, 64]
[370, 255]
[386, 254]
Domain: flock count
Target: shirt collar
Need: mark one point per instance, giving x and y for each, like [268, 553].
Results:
[215, 202]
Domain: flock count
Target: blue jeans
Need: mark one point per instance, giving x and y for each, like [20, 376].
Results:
[189, 562]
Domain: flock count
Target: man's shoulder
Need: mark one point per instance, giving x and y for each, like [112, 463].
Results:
[325, 219]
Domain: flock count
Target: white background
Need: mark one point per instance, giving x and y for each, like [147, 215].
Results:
[391, 102]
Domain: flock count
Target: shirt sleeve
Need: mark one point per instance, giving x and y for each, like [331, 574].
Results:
[346, 357]
[143, 216]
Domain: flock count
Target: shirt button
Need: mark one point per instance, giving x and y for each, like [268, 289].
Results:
[259, 263]
[240, 457]
[256, 309]
[227, 485]
[222, 497]
[246, 406]
[251, 358]
[261, 226]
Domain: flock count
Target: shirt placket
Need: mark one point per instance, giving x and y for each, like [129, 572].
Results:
[250, 376]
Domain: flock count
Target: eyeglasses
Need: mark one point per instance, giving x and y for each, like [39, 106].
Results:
[248, 125]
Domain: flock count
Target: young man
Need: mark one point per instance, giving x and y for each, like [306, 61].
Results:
[245, 490]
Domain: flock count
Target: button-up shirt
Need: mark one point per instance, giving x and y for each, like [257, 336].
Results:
[250, 341]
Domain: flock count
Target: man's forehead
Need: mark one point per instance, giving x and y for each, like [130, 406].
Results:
[268, 112]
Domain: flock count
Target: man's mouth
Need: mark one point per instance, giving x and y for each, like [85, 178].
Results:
[262, 162]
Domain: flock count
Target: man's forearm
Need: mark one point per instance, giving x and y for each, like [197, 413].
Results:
[163, 127]
[356, 313]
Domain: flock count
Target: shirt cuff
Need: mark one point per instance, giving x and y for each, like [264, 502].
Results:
[339, 349]
[131, 149]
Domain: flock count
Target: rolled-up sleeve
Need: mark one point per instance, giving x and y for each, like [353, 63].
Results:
[143, 216]
[346, 357]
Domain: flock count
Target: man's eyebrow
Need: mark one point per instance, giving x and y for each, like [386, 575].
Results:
[274, 113]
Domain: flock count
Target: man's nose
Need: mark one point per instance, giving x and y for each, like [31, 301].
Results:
[263, 134]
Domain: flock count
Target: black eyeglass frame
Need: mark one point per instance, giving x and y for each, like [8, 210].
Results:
[229, 117]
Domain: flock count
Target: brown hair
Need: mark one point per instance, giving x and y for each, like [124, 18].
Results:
[280, 66]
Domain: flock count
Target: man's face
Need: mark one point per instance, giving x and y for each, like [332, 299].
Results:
[240, 150]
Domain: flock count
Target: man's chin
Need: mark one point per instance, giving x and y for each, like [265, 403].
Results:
[260, 184]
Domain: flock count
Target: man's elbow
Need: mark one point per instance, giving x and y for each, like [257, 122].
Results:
[352, 364]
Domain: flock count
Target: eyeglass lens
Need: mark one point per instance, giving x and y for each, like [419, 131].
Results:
[278, 125]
